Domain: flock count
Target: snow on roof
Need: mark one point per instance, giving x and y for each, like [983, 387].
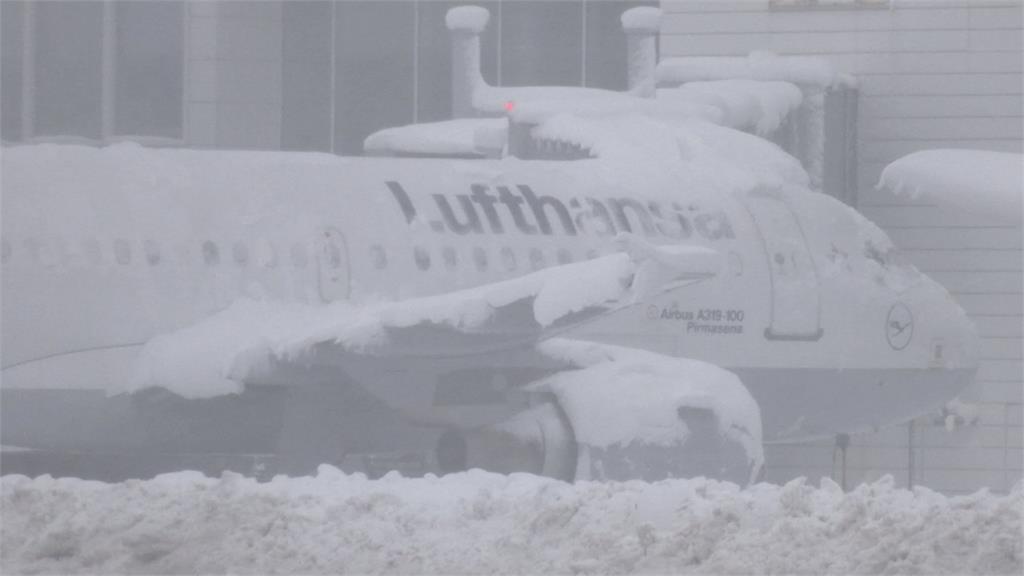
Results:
[459, 137]
[975, 181]
[480, 523]
[744, 104]
[469, 18]
[810, 70]
[641, 19]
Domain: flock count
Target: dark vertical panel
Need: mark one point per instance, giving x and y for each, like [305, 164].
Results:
[606, 43]
[374, 82]
[306, 76]
[149, 64]
[541, 42]
[69, 39]
[435, 61]
[10, 69]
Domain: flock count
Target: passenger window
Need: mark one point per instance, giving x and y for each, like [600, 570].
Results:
[422, 258]
[450, 257]
[5, 252]
[32, 246]
[298, 256]
[122, 252]
[240, 253]
[536, 258]
[379, 257]
[480, 258]
[93, 252]
[211, 255]
[152, 250]
[564, 256]
[266, 256]
[508, 258]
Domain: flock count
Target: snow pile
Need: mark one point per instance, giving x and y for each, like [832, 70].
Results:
[459, 137]
[215, 356]
[806, 70]
[603, 416]
[484, 523]
[975, 181]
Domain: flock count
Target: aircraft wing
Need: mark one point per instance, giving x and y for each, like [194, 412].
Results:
[266, 342]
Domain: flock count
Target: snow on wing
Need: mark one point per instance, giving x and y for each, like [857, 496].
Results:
[257, 341]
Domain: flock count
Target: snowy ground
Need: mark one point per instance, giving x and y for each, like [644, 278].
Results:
[484, 523]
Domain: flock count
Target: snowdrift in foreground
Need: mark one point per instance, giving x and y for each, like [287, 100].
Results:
[975, 181]
[483, 523]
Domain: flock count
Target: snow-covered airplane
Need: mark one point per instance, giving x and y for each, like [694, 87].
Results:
[658, 308]
[459, 293]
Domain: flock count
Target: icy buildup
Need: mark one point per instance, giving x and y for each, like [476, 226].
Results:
[213, 357]
[459, 137]
[806, 70]
[469, 18]
[641, 19]
[479, 523]
[657, 386]
[986, 183]
[745, 104]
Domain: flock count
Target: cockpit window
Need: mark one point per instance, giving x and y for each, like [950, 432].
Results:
[873, 252]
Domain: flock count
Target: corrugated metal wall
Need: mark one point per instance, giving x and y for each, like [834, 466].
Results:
[933, 74]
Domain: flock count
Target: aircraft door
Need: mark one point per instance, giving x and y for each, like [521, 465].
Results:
[332, 266]
[796, 304]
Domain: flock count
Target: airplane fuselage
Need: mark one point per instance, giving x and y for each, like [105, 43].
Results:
[828, 331]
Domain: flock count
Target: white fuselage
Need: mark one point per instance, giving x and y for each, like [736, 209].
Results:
[105, 249]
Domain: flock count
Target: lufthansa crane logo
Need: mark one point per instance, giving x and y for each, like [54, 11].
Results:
[899, 326]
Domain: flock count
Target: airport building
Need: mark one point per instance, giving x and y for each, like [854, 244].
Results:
[323, 75]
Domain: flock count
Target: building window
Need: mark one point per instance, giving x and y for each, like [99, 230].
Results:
[94, 70]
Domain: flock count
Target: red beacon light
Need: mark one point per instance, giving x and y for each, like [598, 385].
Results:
[509, 106]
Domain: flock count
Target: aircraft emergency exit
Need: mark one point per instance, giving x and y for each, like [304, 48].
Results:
[455, 293]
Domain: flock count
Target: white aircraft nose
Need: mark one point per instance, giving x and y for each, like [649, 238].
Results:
[948, 332]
